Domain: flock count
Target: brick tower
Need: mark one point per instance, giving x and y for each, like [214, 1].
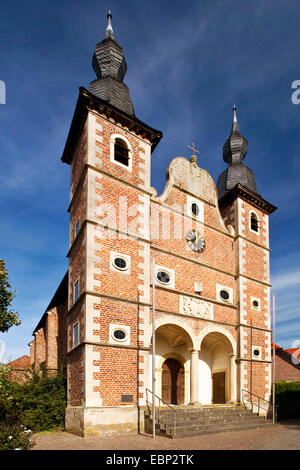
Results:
[248, 213]
[109, 152]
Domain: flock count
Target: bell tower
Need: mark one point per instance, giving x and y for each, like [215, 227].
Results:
[248, 213]
[109, 151]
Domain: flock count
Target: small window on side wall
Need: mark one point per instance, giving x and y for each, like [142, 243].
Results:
[77, 228]
[254, 225]
[121, 152]
[75, 334]
[76, 291]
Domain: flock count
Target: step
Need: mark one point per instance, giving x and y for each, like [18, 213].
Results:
[170, 419]
[200, 417]
[204, 412]
[218, 430]
[216, 422]
[214, 425]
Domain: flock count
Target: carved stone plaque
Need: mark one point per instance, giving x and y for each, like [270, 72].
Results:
[196, 307]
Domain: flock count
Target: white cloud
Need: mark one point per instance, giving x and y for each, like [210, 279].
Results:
[286, 280]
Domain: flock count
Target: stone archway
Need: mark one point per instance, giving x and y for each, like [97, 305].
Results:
[173, 352]
[217, 367]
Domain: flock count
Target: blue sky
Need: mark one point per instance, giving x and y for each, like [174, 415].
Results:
[188, 63]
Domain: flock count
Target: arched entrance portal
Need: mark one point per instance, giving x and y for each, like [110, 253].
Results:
[217, 367]
[173, 382]
[175, 344]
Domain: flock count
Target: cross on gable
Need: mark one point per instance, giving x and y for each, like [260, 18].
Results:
[193, 148]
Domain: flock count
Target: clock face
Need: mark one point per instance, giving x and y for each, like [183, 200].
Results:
[195, 241]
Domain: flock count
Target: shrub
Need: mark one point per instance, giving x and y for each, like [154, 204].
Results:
[43, 402]
[14, 435]
[38, 404]
[288, 399]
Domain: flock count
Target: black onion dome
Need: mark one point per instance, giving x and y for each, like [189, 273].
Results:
[235, 147]
[234, 151]
[110, 67]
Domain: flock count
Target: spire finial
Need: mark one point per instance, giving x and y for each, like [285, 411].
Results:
[193, 158]
[235, 147]
[109, 34]
[235, 125]
[234, 113]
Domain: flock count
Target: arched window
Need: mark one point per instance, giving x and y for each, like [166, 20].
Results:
[121, 152]
[254, 222]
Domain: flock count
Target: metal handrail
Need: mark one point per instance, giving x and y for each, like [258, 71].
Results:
[259, 404]
[160, 400]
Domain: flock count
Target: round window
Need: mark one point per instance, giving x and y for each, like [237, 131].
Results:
[163, 277]
[120, 263]
[195, 209]
[119, 335]
[255, 303]
[224, 294]
[256, 352]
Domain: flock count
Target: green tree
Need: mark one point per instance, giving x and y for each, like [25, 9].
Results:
[8, 317]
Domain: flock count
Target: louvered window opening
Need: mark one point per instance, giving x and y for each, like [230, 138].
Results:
[121, 152]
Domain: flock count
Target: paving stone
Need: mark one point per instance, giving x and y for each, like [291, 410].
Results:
[283, 436]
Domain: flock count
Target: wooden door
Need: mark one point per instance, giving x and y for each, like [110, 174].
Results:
[172, 382]
[219, 387]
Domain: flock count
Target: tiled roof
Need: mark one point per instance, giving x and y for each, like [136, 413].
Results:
[20, 363]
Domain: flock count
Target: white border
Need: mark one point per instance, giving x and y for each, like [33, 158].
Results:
[258, 222]
[169, 271]
[113, 327]
[253, 306]
[189, 201]
[257, 358]
[113, 138]
[219, 287]
[113, 256]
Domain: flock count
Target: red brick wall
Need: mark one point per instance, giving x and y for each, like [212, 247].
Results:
[285, 369]
[75, 377]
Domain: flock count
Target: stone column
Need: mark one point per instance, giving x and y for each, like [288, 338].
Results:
[233, 384]
[194, 377]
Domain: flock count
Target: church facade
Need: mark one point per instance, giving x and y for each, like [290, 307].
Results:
[211, 271]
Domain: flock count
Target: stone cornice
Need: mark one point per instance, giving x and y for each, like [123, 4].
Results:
[254, 199]
[87, 167]
[186, 258]
[105, 345]
[195, 296]
[88, 102]
[253, 243]
[253, 279]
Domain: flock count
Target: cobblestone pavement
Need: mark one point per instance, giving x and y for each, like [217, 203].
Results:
[283, 436]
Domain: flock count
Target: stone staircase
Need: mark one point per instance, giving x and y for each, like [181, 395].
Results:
[204, 420]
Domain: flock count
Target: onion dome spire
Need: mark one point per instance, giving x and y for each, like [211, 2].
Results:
[234, 152]
[110, 67]
[235, 147]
